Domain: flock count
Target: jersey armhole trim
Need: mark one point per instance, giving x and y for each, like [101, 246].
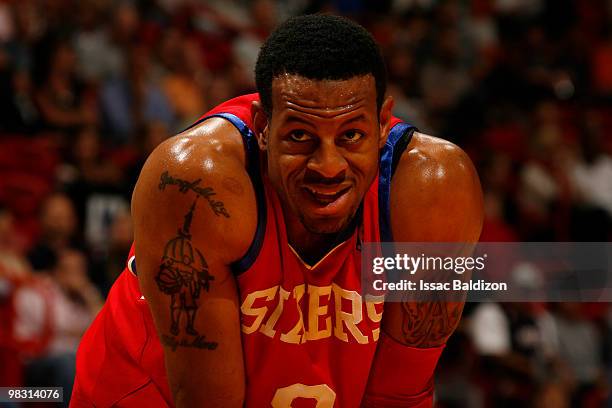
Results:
[397, 141]
[254, 170]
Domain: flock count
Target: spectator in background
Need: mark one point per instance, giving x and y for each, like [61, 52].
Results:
[63, 102]
[92, 165]
[263, 19]
[99, 190]
[18, 112]
[186, 82]
[25, 25]
[444, 68]
[481, 27]
[518, 342]
[14, 270]
[403, 86]
[13, 265]
[580, 348]
[133, 99]
[591, 181]
[544, 191]
[74, 303]
[92, 173]
[58, 232]
[120, 231]
[121, 238]
[101, 49]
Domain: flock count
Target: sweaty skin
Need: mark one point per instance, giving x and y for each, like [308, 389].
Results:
[435, 197]
[322, 146]
[202, 348]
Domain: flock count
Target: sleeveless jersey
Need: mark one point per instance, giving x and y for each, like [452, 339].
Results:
[308, 335]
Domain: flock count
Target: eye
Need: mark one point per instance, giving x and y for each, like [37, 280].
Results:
[299, 136]
[352, 136]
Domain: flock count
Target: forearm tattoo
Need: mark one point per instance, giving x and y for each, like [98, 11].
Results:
[429, 324]
[184, 186]
[183, 275]
[429, 319]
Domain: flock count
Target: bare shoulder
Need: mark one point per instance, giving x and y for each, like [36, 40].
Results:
[435, 193]
[215, 137]
[435, 159]
[204, 167]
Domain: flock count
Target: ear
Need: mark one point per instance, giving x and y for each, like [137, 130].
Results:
[260, 124]
[384, 119]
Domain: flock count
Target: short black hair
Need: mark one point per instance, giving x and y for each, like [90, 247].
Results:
[319, 46]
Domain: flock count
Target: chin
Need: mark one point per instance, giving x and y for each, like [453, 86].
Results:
[325, 225]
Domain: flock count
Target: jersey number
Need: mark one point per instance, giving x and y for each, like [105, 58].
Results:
[284, 397]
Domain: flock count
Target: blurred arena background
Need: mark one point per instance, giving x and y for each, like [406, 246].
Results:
[89, 88]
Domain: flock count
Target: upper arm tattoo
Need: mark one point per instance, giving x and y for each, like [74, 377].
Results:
[184, 186]
[183, 275]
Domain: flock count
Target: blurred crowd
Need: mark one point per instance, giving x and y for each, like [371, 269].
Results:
[89, 88]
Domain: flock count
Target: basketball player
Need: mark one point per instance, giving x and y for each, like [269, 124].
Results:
[245, 285]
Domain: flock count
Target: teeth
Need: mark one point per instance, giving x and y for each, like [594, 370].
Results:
[323, 194]
[325, 197]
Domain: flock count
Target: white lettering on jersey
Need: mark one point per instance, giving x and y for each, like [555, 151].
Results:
[350, 318]
[322, 312]
[295, 335]
[247, 308]
[316, 310]
[268, 327]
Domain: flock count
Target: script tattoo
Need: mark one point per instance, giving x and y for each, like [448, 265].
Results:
[429, 324]
[184, 186]
[198, 342]
[182, 275]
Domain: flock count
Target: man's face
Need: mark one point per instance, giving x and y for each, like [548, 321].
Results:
[58, 217]
[322, 143]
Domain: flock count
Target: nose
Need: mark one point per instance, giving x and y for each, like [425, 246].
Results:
[327, 160]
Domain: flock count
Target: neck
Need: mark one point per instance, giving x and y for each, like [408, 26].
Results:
[310, 246]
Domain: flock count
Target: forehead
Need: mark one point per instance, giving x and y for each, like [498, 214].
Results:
[323, 97]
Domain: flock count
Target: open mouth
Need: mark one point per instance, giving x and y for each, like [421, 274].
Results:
[325, 196]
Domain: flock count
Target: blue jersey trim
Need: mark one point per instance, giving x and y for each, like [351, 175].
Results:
[253, 168]
[398, 139]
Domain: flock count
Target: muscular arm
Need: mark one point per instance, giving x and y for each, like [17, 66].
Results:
[435, 197]
[194, 214]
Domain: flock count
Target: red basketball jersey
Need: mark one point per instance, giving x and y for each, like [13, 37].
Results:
[308, 335]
